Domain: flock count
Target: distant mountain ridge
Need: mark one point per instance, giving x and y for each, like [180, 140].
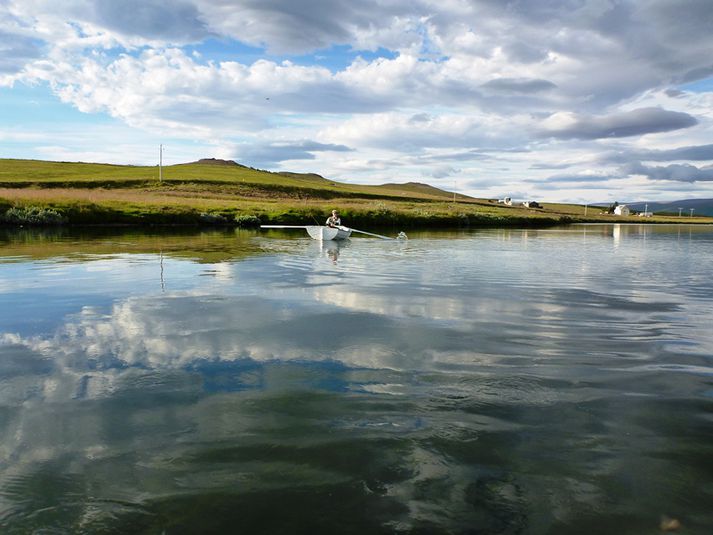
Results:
[700, 206]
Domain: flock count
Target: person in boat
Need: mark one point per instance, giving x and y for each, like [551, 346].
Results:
[333, 220]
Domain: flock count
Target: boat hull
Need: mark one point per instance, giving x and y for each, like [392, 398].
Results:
[323, 233]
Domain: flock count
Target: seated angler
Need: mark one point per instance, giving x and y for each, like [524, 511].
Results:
[333, 220]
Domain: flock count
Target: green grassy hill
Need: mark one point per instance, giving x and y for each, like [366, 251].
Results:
[209, 172]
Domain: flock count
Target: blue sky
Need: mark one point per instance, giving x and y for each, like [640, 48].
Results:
[559, 100]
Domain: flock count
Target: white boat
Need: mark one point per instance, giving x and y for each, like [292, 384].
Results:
[322, 233]
[319, 232]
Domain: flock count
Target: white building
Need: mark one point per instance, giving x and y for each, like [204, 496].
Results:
[622, 209]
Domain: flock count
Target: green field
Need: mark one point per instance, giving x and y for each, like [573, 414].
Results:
[216, 175]
[218, 192]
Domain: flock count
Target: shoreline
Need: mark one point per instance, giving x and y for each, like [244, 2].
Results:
[85, 214]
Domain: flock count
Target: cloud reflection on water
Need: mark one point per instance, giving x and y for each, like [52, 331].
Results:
[470, 396]
[318, 312]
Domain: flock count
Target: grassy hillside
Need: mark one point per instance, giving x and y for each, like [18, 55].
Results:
[218, 192]
[35, 173]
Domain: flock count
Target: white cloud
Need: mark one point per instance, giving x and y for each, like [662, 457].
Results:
[409, 132]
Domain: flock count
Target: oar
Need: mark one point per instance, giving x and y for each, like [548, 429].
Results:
[371, 234]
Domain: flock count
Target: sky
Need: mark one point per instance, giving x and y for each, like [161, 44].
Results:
[549, 100]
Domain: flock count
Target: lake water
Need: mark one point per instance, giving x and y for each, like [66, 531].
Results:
[490, 381]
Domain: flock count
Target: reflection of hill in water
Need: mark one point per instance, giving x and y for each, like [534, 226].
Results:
[203, 246]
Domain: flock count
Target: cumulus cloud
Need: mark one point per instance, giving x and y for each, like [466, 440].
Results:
[623, 124]
[413, 132]
[168, 89]
[472, 59]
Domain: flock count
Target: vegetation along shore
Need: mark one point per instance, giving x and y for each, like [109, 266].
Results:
[222, 192]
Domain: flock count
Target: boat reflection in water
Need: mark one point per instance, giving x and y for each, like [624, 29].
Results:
[331, 249]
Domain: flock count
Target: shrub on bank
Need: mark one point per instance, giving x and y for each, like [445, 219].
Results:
[32, 215]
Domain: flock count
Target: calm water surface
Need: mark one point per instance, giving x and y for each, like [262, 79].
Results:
[498, 381]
